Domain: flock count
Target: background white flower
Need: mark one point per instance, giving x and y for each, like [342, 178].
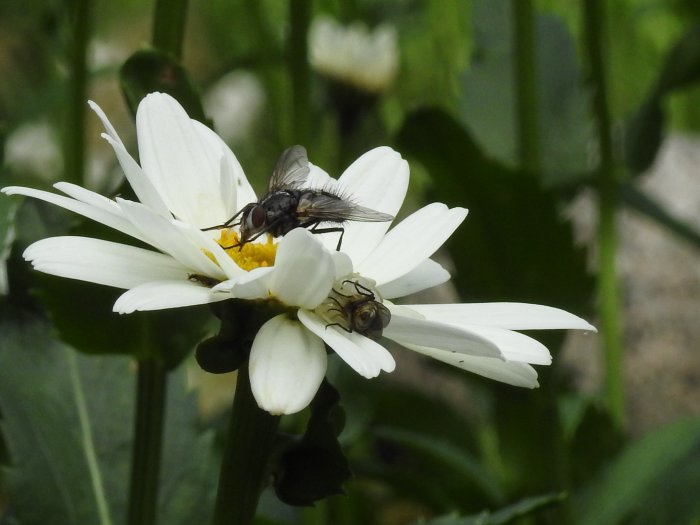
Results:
[355, 55]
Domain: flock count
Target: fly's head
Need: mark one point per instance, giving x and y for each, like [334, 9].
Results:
[253, 222]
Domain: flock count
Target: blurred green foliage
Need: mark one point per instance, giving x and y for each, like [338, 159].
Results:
[548, 456]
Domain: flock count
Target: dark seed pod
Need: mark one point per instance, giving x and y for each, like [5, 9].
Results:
[219, 356]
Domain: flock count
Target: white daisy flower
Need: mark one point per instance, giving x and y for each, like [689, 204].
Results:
[355, 55]
[188, 180]
[288, 361]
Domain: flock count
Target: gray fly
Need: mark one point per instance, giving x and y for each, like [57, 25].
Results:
[357, 310]
[290, 204]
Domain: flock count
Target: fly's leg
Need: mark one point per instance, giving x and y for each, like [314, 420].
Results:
[362, 290]
[348, 330]
[228, 223]
[337, 229]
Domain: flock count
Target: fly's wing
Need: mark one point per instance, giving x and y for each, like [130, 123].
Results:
[331, 208]
[291, 170]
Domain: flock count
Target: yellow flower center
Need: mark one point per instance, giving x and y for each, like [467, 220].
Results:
[252, 254]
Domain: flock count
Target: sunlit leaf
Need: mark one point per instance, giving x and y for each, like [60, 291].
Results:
[660, 463]
[67, 424]
[514, 245]
[521, 509]
[489, 92]
[645, 130]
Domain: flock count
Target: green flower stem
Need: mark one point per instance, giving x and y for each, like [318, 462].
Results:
[169, 26]
[148, 432]
[525, 86]
[74, 145]
[299, 19]
[608, 292]
[243, 468]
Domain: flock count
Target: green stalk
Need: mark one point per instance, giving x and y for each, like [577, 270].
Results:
[169, 19]
[299, 19]
[168, 32]
[148, 432]
[608, 290]
[74, 145]
[525, 87]
[250, 438]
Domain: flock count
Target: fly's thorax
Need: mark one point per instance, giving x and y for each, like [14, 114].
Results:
[355, 305]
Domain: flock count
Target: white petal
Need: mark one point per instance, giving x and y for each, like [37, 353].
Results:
[233, 186]
[101, 214]
[513, 345]
[287, 365]
[304, 270]
[143, 188]
[165, 294]
[513, 316]
[363, 355]
[426, 275]
[168, 236]
[343, 264]
[179, 161]
[406, 330]
[319, 179]
[377, 180]
[411, 242]
[254, 285]
[102, 262]
[512, 373]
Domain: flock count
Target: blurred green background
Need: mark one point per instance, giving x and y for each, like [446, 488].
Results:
[568, 128]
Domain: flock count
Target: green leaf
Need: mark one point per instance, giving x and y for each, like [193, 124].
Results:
[8, 208]
[514, 245]
[658, 464]
[151, 70]
[82, 313]
[453, 462]
[645, 129]
[521, 509]
[489, 94]
[643, 203]
[67, 423]
[55, 476]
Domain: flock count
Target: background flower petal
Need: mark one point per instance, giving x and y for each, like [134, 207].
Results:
[287, 365]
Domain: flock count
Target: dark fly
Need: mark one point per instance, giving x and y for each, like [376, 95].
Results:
[358, 311]
[290, 204]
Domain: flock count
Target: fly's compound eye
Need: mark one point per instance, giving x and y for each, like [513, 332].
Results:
[256, 219]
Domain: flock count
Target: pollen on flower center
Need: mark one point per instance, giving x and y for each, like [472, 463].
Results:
[252, 254]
